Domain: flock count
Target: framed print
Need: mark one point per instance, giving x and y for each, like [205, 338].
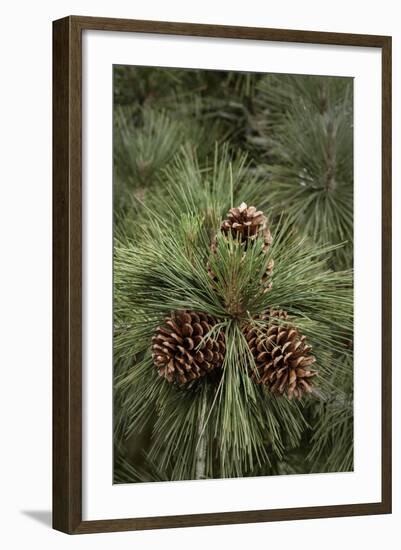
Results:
[222, 275]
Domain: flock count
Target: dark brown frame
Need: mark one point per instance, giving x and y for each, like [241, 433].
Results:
[67, 280]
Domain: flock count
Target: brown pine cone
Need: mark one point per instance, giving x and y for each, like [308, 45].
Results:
[246, 224]
[282, 356]
[178, 351]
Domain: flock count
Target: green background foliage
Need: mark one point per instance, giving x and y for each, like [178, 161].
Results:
[188, 145]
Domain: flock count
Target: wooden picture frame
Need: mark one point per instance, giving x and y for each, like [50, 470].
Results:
[67, 274]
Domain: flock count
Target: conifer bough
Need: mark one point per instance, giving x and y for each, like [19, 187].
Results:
[227, 423]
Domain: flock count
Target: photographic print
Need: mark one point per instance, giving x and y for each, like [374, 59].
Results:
[233, 288]
[221, 275]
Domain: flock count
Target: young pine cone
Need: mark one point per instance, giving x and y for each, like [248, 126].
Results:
[179, 351]
[246, 224]
[282, 357]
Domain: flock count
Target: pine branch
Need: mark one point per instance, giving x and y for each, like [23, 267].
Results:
[167, 271]
[175, 182]
[303, 130]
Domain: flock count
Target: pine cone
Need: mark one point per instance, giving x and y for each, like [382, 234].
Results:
[281, 355]
[247, 224]
[178, 350]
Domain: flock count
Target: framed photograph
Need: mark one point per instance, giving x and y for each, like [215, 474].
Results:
[222, 275]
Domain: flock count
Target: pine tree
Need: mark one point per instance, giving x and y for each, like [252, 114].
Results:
[199, 389]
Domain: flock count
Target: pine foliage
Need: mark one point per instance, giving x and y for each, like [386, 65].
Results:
[303, 131]
[189, 145]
